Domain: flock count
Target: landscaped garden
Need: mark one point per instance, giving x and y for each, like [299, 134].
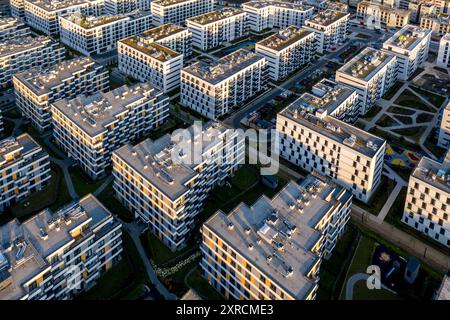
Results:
[410, 100]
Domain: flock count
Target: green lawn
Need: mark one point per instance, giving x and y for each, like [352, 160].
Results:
[386, 121]
[82, 183]
[408, 99]
[361, 292]
[108, 199]
[424, 117]
[175, 283]
[431, 144]
[403, 119]
[380, 197]
[201, 286]
[435, 99]
[124, 280]
[412, 132]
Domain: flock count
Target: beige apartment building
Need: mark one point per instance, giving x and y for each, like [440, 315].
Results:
[377, 15]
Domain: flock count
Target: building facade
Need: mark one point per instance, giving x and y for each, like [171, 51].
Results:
[17, 55]
[287, 51]
[437, 22]
[443, 59]
[377, 16]
[90, 128]
[177, 11]
[372, 72]
[410, 45]
[98, 35]
[329, 27]
[36, 89]
[150, 62]
[269, 14]
[161, 183]
[444, 128]
[12, 28]
[211, 29]
[273, 249]
[57, 255]
[313, 137]
[214, 89]
[24, 168]
[428, 199]
[125, 6]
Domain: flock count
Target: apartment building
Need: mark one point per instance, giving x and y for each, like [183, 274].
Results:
[443, 293]
[287, 51]
[428, 199]
[311, 136]
[443, 59]
[172, 36]
[125, 6]
[165, 185]
[97, 35]
[5, 9]
[273, 249]
[438, 22]
[212, 29]
[177, 11]
[269, 14]
[214, 88]
[150, 62]
[372, 72]
[410, 45]
[12, 28]
[2, 129]
[57, 255]
[36, 89]
[24, 168]
[17, 55]
[329, 27]
[90, 128]
[419, 8]
[444, 128]
[377, 16]
[17, 8]
[43, 15]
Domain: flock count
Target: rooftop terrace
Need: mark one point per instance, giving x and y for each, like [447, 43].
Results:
[440, 17]
[161, 32]
[367, 63]
[88, 22]
[407, 37]
[284, 38]
[153, 159]
[14, 46]
[434, 173]
[277, 235]
[151, 49]
[13, 149]
[166, 3]
[327, 17]
[214, 16]
[54, 5]
[217, 71]
[94, 113]
[41, 81]
[280, 4]
[9, 22]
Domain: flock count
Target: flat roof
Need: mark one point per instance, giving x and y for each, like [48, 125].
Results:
[41, 81]
[304, 111]
[166, 3]
[440, 17]
[280, 4]
[152, 159]
[13, 149]
[94, 112]
[9, 22]
[408, 37]
[327, 17]
[434, 173]
[367, 63]
[151, 49]
[54, 5]
[260, 229]
[88, 22]
[217, 71]
[161, 32]
[384, 7]
[27, 246]
[214, 16]
[13, 46]
[284, 38]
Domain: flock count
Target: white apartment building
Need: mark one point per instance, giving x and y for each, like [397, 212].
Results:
[437, 22]
[24, 169]
[36, 89]
[443, 58]
[329, 27]
[170, 35]
[311, 136]
[97, 35]
[427, 205]
[168, 194]
[17, 8]
[17, 55]
[125, 6]
[150, 62]
[372, 72]
[177, 11]
[215, 88]
[90, 128]
[410, 45]
[211, 29]
[287, 51]
[377, 16]
[12, 28]
[273, 249]
[444, 128]
[56, 255]
[268, 14]
[43, 15]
